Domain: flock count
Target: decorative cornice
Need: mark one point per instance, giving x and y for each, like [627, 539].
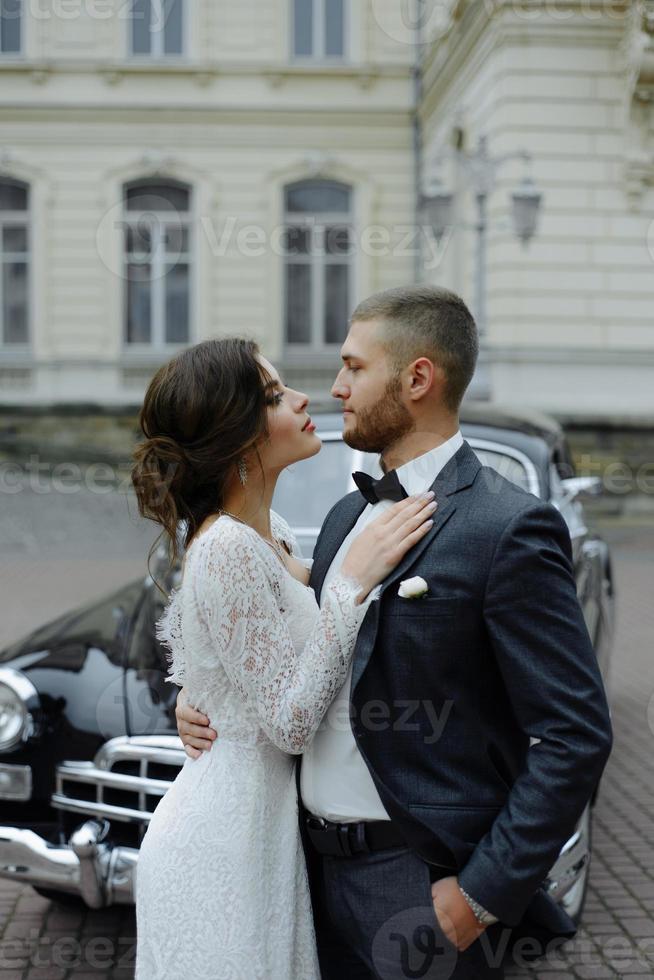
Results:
[18, 166]
[638, 51]
[596, 356]
[204, 72]
[462, 26]
[475, 27]
[365, 76]
[638, 64]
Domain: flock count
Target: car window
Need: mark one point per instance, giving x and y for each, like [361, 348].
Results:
[306, 491]
[508, 467]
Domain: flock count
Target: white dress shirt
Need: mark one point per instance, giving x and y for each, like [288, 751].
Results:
[334, 780]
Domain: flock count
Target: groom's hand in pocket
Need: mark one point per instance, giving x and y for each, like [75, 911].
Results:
[193, 727]
[455, 917]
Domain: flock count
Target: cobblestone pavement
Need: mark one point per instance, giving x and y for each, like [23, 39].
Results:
[43, 941]
[617, 938]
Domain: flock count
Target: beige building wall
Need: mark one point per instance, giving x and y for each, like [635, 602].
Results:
[237, 119]
[571, 317]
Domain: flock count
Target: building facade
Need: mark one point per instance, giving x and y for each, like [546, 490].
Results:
[172, 170]
[570, 316]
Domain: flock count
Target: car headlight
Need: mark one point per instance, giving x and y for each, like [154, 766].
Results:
[19, 704]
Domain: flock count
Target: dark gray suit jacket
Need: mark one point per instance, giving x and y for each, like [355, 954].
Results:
[448, 689]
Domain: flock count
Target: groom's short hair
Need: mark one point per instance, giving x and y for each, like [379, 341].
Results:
[426, 321]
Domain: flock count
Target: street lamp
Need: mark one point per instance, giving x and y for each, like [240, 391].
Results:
[437, 208]
[526, 207]
[437, 203]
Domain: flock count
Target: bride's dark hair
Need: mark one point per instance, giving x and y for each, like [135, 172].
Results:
[202, 411]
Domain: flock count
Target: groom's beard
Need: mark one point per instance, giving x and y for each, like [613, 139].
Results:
[384, 424]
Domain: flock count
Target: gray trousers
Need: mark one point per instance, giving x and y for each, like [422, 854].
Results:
[375, 921]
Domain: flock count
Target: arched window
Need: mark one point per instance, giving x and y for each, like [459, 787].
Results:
[318, 262]
[157, 28]
[158, 258]
[11, 20]
[319, 29]
[14, 262]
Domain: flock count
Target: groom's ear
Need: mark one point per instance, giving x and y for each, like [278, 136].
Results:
[424, 378]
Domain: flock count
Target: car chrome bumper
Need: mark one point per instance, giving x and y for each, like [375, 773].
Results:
[100, 874]
[571, 864]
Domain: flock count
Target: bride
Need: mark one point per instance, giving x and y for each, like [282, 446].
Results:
[250, 644]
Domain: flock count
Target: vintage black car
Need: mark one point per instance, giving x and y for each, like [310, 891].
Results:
[88, 743]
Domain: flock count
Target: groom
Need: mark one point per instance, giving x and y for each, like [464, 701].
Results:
[429, 822]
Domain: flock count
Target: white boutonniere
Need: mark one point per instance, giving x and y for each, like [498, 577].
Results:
[413, 588]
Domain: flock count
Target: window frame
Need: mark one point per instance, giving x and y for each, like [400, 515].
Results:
[21, 47]
[502, 449]
[158, 39]
[318, 263]
[17, 218]
[158, 343]
[318, 54]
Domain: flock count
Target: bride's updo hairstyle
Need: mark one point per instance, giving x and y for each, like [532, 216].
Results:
[202, 411]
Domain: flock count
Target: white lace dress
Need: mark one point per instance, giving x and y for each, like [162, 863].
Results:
[221, 891]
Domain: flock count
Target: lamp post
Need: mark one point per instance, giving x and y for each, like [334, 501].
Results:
[481, 171]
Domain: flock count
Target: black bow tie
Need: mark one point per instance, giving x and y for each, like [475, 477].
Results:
[388, 488]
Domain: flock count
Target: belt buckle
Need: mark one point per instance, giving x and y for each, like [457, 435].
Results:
[348, 839]
[329, 835]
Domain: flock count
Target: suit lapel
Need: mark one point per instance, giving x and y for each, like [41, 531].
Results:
[332, 537]
[446, 507]
[457, 474]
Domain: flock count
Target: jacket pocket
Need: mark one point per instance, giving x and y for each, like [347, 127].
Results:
[427, 606]
[465, 822]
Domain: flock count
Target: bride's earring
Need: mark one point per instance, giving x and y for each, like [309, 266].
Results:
[242, 471]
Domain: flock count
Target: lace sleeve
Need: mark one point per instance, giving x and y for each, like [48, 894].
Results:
[238, 598]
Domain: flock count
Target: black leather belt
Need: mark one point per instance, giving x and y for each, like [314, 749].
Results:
[350, 839]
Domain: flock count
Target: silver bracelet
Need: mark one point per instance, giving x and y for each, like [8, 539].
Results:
[482, 916]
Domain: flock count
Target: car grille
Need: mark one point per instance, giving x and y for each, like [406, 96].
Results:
[125, 781]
